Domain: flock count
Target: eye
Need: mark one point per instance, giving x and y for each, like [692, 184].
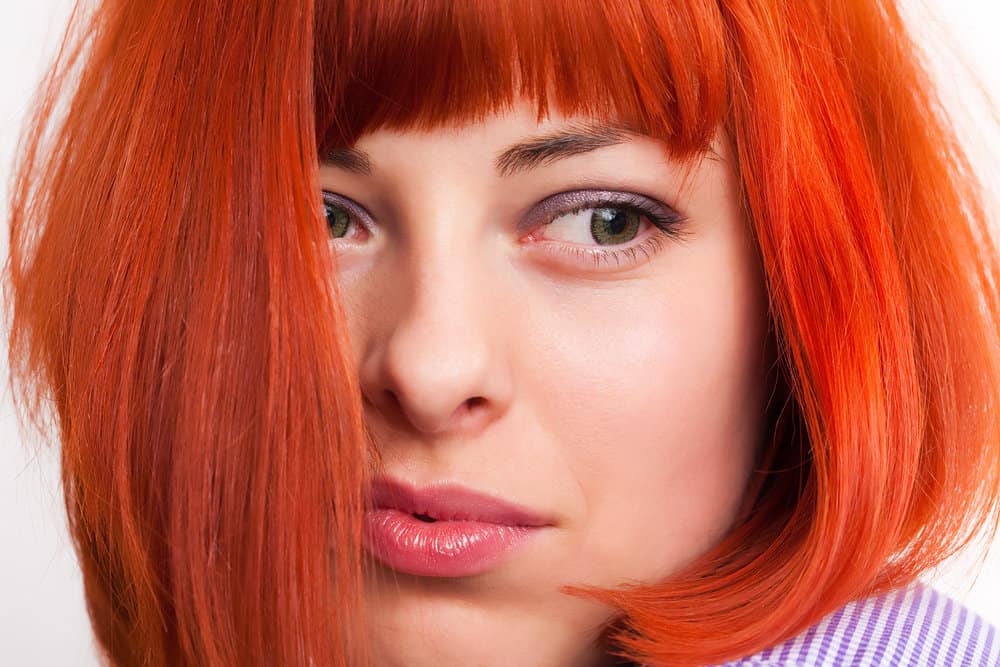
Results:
[607, 225]
[337, 220]
[604, 227]
[341, 215]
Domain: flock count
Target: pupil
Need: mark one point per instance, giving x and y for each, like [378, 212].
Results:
[617, 223]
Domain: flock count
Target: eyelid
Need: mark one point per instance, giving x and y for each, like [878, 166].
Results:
[356, 209]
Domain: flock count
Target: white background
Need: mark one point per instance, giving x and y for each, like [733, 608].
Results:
[42, 616]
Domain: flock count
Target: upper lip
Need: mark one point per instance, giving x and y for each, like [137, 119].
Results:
[450, 502]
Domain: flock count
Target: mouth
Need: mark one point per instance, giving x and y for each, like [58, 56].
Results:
[444, 530]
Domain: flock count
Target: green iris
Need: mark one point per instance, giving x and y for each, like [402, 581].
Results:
[611, 226]
[338, 220]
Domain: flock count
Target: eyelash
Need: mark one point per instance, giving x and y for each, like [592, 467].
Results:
[668, 224]
[667, 221]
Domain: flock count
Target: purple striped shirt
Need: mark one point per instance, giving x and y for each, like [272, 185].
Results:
[916, 625]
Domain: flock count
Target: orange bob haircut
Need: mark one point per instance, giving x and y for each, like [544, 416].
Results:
[172, 297]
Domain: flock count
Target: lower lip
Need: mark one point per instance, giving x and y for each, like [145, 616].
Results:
[439, 548]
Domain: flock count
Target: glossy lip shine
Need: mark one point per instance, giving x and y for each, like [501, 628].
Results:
[443, 530]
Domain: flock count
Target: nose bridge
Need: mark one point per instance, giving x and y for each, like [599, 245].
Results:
[436, 364]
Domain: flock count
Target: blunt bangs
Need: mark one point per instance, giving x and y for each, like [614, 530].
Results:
[659, 69]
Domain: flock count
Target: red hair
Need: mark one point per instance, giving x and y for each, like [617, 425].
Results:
[171, 295]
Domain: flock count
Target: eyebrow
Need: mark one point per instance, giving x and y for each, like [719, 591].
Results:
[548, 148]
[351, 159]
[544, 149]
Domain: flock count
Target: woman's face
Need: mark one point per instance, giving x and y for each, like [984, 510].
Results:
[617, 395]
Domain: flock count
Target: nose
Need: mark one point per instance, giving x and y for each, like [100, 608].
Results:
[435, 364]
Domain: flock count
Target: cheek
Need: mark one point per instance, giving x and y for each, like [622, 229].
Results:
[654, 396]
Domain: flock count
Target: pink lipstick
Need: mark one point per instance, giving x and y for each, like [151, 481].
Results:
[444, 530]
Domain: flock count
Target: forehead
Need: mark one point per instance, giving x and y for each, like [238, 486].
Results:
[654, 66]
[516, 138]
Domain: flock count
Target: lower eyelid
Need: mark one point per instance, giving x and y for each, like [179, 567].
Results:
[624, 258]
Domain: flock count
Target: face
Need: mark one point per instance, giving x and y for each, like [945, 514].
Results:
[574, 326]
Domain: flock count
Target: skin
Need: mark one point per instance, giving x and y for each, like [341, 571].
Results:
[623, 399]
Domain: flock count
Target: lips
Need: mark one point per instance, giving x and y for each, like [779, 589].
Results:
[450, 502]
[445, 530]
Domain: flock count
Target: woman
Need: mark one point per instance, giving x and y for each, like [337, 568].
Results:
[630, 331]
